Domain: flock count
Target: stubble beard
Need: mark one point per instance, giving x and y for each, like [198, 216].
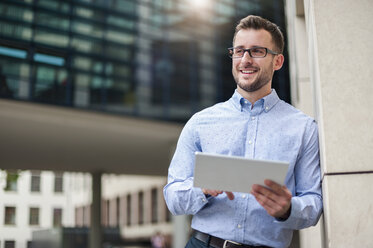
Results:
[258, 83]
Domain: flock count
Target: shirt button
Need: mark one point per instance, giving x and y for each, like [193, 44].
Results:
[246, 102]
[243, 196]
[204, 200]
[250, 142]
[267, 108]
[253, 118]
[238, 226]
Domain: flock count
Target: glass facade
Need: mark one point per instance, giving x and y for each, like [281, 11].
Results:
[158, 59]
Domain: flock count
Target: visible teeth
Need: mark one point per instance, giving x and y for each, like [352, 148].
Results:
[248, 71]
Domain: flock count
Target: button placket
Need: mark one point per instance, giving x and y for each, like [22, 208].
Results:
[252, 126]
[240, 216]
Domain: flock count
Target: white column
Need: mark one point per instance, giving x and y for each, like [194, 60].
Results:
[302, 95]
[95, 234]
[340, 42]
[181, 227]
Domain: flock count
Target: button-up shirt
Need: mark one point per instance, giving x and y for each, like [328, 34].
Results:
[270, 129]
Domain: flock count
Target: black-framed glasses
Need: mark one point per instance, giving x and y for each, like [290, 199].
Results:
[255, 52]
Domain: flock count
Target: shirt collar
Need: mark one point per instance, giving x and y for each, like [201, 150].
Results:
[269, 101]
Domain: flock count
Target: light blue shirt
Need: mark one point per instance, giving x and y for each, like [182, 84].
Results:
[271, 130]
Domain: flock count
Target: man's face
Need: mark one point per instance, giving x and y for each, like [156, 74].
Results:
[252, 74]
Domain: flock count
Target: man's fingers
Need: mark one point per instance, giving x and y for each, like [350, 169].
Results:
[230, 195]
[215, 193]
[212, 192]
[266, 202]
[277, 188]
[261, 190]
[272, 184]
[274, 190]
[275, 199]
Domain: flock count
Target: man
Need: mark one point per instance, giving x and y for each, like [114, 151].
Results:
[254, 123]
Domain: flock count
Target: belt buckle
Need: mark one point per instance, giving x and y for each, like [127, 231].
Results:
[230, 241]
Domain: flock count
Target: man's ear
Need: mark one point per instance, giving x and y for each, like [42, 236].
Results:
[278, 62]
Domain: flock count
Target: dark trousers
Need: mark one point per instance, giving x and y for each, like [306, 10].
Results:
[195, 243]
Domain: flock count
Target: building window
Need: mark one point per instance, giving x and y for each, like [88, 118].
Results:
[29, 244]
[57, 217]
[86, 216]
[154, 206]
[128, 215]
[107, 213]
[58, 182]
[141, 208]
[10, 216]
[83, 213]
[35, 181]
[78, 218]
[118, 217]
[9, 244]
[11, 181]
[34, 216]
[81, 216]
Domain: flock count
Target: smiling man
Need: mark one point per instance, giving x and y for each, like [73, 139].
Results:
[256, 124]
[254, 76]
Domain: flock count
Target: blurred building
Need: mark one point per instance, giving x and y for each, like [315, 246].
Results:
[30, 201]
[37, 206]
[134, 204]
[156, 59]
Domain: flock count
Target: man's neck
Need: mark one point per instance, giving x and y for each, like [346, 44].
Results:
[255, 95]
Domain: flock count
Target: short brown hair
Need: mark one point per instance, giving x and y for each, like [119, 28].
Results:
[257, 22]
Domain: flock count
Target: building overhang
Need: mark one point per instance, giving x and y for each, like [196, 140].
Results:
[44, 137]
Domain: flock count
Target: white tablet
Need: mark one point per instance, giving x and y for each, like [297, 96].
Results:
[236, 174]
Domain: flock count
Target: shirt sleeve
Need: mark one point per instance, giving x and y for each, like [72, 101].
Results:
[180, 195]
[306, 205]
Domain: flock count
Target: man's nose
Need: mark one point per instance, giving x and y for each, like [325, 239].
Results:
[246, 57]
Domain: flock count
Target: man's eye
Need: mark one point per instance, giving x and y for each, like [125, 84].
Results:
[258, 50]
[238, 51]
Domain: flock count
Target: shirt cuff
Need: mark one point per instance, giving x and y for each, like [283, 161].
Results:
[291, 221]
[200, 199]
[288, 213]
[204, 197]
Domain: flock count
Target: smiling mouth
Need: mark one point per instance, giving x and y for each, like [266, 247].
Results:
[252, 71]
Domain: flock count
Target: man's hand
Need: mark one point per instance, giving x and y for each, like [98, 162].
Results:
[215, 193]
[276, 199]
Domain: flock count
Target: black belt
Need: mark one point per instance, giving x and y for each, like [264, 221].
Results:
[221, 243]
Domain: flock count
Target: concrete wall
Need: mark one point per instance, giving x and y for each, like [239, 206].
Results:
[339, 39]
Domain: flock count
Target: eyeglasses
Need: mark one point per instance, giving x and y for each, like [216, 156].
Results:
[255, 52]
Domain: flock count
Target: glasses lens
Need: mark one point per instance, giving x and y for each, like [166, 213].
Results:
[258, 52]
[238, 52]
